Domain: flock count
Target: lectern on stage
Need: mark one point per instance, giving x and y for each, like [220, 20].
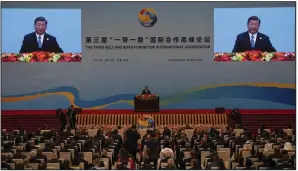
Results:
[146, 103]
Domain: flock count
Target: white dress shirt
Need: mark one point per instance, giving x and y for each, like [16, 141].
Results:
[255, 37]
[41, 36]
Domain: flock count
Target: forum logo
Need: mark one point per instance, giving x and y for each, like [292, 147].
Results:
[147, 17]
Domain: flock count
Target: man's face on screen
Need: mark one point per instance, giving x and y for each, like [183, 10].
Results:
[40, 27]
[253, 26]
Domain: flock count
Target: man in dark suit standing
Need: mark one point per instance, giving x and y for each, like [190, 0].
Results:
[146, 90]
[131, 141]
[72, 117]
[154, 147]
[60, 114]
[236, 116]
[40, 40]
[252, 39]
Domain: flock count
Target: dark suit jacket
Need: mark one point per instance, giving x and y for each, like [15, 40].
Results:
[45, 159]
[147, 167]
[285, 165]
[49, 44]
[154, 147]
[277, 155]
[62, 117]
[169, 168]
[47, 150]
[131, 142]
[48, 135]
[193, 168]
[119, 138]
[7, 167]
[19, 156]
[34, 160]
[7, 150]
[72, 114]
[144, 92]
[262, 43]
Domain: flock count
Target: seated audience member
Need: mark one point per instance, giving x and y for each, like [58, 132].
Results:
[26, 164]
[104, 154]
[194, 165]
[145, 154]
[188, 160]
[183, 140]
[171, 165]
[4, 165]
[268, 147]
[288, 147]
[87, 147]
[146, 165]
[18, 141]
[55, 160]
[210, 157]
[241, 162]
[19, 155]
[39, 155]
[166, 157]
[117, 137]
[9, 158]
[80, 159]
[277, 154]
[285, 157]
[187, 149]
[221, 165]
[166, 152]
[98, 165]
[7, 148]
[28, 147]
[215, 162]
[266, 162]
[19, 166]
[249, 165]
[66, 165]
[272, 166]
[123, 165]
[285, 164]
[204, 144]
[47, 148]
[33, 158]
[253, 154]
[124, 156]
[42, 166]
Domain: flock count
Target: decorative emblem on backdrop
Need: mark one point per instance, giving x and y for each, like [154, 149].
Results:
[145, 122]
[147, 17]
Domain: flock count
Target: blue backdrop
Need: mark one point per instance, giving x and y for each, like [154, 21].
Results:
[64, 24]
[277, 23]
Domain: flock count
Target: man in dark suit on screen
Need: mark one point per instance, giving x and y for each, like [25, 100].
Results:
[146, 90]
[252, 39]
[40, 40]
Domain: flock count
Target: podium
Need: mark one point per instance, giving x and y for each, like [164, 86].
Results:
[146, 103]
